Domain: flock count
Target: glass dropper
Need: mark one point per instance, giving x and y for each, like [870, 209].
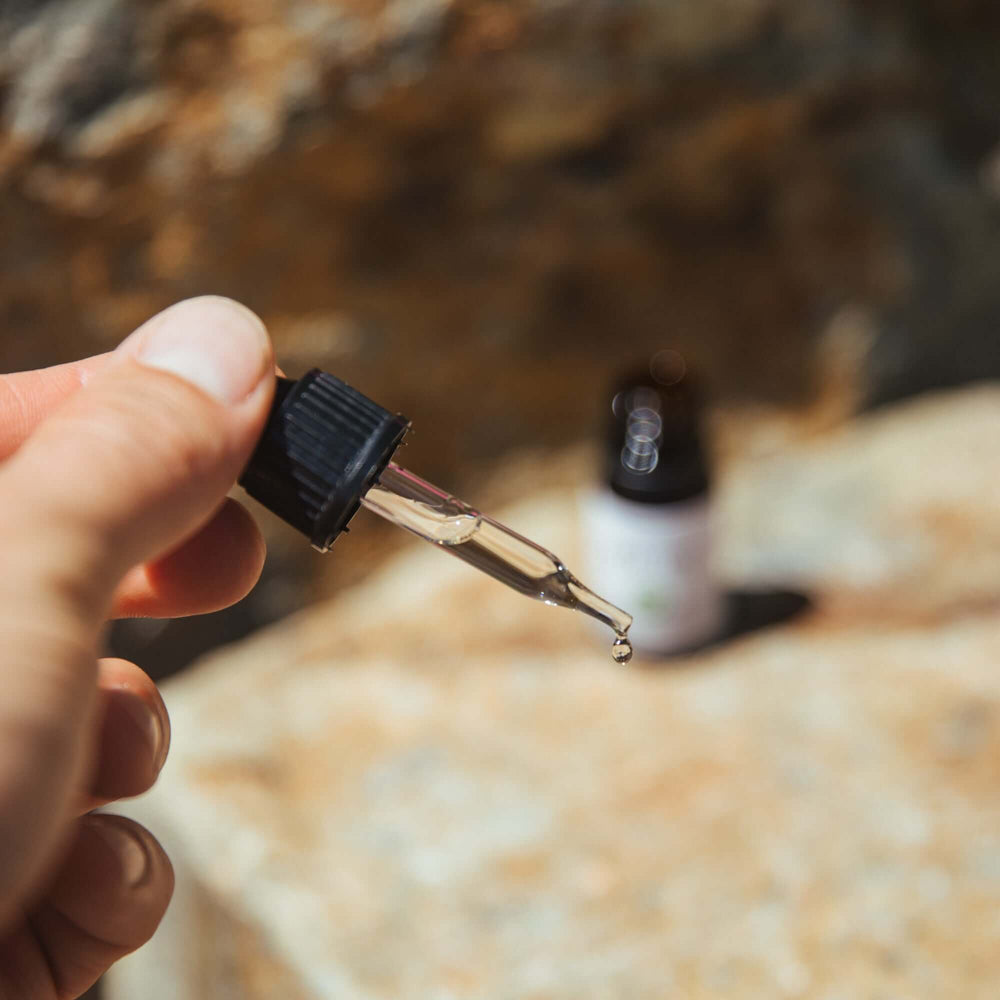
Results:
[404, 498]
[327, 450]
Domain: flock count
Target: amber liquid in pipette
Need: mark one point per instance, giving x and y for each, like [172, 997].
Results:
[412, 503]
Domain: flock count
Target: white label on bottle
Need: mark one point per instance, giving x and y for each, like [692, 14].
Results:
[653, 560]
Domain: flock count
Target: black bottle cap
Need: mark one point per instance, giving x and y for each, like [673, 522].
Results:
[653, 451]
[324, 445]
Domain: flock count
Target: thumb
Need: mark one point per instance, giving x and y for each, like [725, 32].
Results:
[127, 468]
[140, 457]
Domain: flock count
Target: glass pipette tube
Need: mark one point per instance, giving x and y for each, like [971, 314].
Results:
[407, 500]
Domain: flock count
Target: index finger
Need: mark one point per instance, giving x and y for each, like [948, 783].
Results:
[26, 398]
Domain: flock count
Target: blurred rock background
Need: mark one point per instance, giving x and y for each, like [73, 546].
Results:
[478, 211]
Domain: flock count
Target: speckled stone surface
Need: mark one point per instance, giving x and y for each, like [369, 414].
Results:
[434, 788]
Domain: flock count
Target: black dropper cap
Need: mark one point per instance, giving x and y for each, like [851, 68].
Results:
[323, 447]
[653, 446]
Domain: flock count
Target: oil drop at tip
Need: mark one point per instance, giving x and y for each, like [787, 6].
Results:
[621, 649]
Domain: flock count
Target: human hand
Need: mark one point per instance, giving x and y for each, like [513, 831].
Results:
[112, 503]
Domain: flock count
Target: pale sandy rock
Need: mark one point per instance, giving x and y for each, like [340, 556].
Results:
[898, 509]
[435, 788]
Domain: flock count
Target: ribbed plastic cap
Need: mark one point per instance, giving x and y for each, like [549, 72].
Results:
[654, 451]
[324, 445]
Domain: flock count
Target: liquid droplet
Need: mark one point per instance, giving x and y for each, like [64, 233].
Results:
[621, 649]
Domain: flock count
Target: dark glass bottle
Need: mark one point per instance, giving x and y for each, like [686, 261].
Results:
[648, 526]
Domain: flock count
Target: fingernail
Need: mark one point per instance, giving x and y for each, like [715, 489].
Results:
[213, 343]
[149, 724]
[131, 852]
